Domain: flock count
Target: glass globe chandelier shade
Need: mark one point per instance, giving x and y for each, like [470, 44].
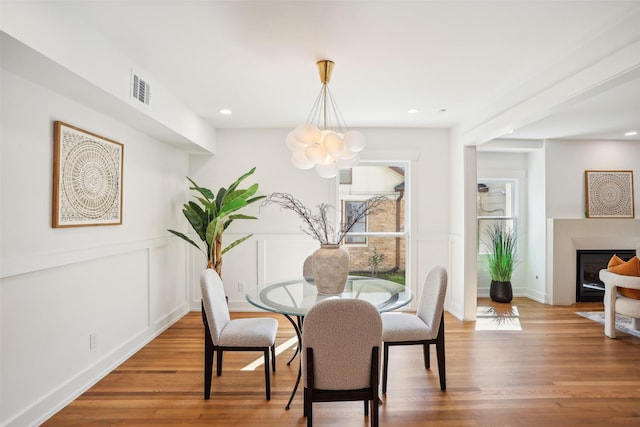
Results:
[315, 145]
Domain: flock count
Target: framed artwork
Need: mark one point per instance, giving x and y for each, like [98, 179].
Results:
[609, 194]
[87, 178]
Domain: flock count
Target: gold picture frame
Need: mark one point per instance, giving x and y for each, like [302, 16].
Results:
[87, 178]
[609, 194]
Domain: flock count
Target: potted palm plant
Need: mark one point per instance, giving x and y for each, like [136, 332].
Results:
[501, 260]
[212, 213]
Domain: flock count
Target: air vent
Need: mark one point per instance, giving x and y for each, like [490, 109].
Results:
[141, 90]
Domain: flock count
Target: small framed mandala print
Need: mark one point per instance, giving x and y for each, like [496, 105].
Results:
[87, 178]
[609, 194]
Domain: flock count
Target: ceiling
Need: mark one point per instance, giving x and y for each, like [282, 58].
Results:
[461, 63]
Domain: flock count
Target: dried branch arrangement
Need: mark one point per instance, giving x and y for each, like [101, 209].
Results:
[318, 224]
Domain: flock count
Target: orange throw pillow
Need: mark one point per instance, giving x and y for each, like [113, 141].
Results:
[629, 293]
[629, 268]
[615, 260]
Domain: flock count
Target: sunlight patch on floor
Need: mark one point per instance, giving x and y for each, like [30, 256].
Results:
[279, 349]
[493, 319]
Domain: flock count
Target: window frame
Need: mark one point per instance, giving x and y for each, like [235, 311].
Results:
[405, 234]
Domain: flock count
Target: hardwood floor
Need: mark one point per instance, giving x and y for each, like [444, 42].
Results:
[560, 370]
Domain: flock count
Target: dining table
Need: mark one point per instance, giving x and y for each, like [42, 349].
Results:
[294, 297]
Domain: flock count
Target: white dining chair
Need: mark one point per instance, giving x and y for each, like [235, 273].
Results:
[225, 334]
[424, 328]
[341, 341]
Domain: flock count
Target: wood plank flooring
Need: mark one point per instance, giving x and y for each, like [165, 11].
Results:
[560, 370]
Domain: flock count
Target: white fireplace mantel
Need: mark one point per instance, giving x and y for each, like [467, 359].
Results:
[566, 235]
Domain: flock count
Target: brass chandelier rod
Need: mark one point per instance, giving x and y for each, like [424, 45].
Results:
[325, 68]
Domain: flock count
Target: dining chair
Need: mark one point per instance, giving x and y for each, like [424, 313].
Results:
[424, 328]
[341, 341]
[225, 334]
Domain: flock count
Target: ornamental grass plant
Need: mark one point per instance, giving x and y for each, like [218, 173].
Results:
[503, 255]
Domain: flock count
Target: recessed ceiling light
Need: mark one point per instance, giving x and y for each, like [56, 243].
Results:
[413, 111]
[631, 133]
[225, 111]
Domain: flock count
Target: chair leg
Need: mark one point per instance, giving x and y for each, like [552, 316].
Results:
[366, 408]
[427, 355]
[308, 408]
[374, 413]
[267, 376]
[273, 357]
[385, 364]
[219, 362]
[441, 361]
[375, 377]
[209, 354]
[305, 399]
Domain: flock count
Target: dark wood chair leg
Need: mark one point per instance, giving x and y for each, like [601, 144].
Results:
[219, 362]
[375, 415]
[273, 357]
[308, 390]
[209, 353]
[441, 362]
[385, 364]
[310, 414]
[427, 355]
[366, 408]
[208, 364]
[375, 372]
[267, 376]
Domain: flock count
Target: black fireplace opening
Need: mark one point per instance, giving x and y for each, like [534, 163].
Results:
[589, 262]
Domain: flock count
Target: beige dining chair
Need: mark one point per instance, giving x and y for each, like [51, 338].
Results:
[341, 341]
[424, 328]
[225, 334]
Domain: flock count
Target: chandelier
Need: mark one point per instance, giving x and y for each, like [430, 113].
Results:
[324, 142]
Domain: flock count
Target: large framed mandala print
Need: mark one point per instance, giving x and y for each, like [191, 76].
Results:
[609, 194]
[87, 178]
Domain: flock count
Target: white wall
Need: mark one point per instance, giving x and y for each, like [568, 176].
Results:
[98, 68]
[536, 206]
[277, 233]
[125, 283]
[566, 162]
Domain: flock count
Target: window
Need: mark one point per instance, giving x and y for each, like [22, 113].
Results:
[377, 244]
[495, 204]
[349, 208]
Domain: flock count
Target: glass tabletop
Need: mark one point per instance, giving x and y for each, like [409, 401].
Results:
[296, 296]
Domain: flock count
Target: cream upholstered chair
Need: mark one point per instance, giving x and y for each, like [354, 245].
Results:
[341, 341]
[424, 328]
[224, 334]
[614, 302]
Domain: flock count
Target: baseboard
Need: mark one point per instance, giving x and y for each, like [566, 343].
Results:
[50, 404]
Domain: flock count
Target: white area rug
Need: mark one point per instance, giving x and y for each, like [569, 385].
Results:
[490, 319]
[623, 323]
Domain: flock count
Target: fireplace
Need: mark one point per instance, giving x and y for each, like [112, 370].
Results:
[589, 262]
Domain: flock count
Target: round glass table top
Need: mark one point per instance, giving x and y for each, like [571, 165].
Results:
[296, 296]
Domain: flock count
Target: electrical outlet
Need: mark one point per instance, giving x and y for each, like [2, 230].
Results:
[240, 287]
[92, 340]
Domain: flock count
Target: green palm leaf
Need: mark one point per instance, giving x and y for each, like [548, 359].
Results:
[210, 214]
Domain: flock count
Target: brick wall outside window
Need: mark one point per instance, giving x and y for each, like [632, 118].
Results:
[393, 248]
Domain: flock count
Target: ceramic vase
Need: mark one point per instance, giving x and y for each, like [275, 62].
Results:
[330, 267]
